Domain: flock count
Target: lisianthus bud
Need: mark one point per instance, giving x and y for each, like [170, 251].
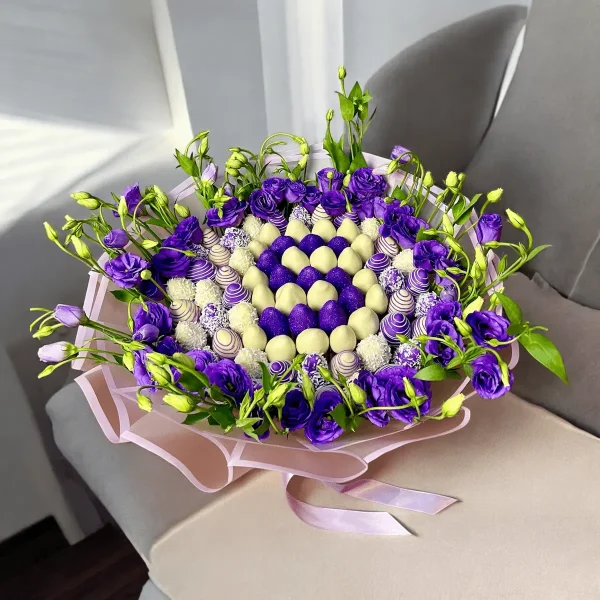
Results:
[359, 396]
[144, 402]
[276, 396]
[122, 208]
[181, 210]
[494, 195]
[50, 232]
[451, 406]
[342, 72]
[454, 244]
[428, 179]
[473, 306]
[304, 148]
[81, 248]
[346, 181]
[233, 163]
[329, 115]
[146, 274]
[409, 388]
[128, 360]
[447, 224]
[89, 203]
[179, 402]
[492, 245]
[56, 352]
[461, 177]
[451, 180]
[69, 315]
[303, 161]
[43, 332]
[462, 327]
[80, 196]
[308, 389]
[480, 258]
[209, 175]
[161, 198]
[232, 172]
[475, 271]
[146, 333]
[116, 238]
[203, 145]
[392, 167]
[70, 223]
[161, 375]
[515, 219]
[505, 375]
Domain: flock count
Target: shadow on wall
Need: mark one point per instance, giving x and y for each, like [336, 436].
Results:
[38, 273]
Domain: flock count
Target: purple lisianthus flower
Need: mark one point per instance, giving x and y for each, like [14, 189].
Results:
[210, 173]
[443, 311]
[69, 315]
[147, 333]
[363, 207]
[275, 187]
[231, 214]
[156, 314]
[294, 192]
[263, 205]
[380, 206]
[311, 199]
[296, 411]
[489, 228]
[486, 326]
[56, 352]
[125, 270]
[202, 359]
[231, 378]
[368, 383]
[329, 179]
[133, 197]
[443, 353]
[428, 253]
[443, 264]
[400, 151]
[390, 392]
[116, 238]
[334, 203]
[487, 377]
[364, 184]
[168, 346]
[320, 427]
[169, 261]
[151, 290]
[140, 372]
[188, 230]
[406, 229]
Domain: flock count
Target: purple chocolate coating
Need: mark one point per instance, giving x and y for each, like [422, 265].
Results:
[351, 298]
[338, 244]
[408, 355]
[418, 281]
[235, 293]
[309, 243]
[281, 275]
[338, 278]
[267, 261]
[281, 244]
[201, 269]
[301, 318]
[392, 325]
[378, 262]
[332, 315]
[273, 322]
[347, 215]
[307, 277]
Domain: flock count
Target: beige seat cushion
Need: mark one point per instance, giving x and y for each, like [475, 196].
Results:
[527, 526]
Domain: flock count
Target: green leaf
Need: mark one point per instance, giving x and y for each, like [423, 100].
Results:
[511, 308]
[537, 250]
[517, 328]
[188, 165]
[267, 380]
[195, 417]
[465, 214]
[434, 372]
[399, 193]
[458, 208]
[224, 417]
[217, 394]
[340, 417]
[124, 295]
[336, 152]
[468, 369]
[545, 352]
[455, 362]
[156, 222]
[355, 93]
[346, 107]
[358, 162]
[190, 383]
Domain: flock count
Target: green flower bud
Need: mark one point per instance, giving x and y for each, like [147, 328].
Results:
[473, 306]
[232, 172]
[71, 223]
[342, 72]
[179, 402]
[494, 195]
[234, 149]
[146, 274]
[157, 358]
[476, 271]
[480, 258]
[161, 375]
[276, 396]
[122, 209]
[161, 198]
[292, 177]
[128, 360]
[451, 180]
[329, 175]
[428, 179]
[447, 224]
[409, 388]
[43, 332]
[82, 249]
[462, 327]
[461, 177]
[203, 145]
[393, 166]
[303, 161]
[515, 219]
[232, 163]
[80, 196]
[182, 211]
[329, 115]
[451, 406]
[308, 389]
[505, 373]
[346, 181]
[239, 156]
[50, 232]
[304, 148]
[454, 244]
[492, 245]
[144, 402]
[359, 396]
[89, 203]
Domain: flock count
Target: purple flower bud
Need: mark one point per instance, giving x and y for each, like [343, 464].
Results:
[56, 352]
[210, 173]
[69, 316]
[146, 333]
[399, 151]
[117, 238]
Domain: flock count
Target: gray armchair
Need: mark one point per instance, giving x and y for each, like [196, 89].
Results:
[528, 525]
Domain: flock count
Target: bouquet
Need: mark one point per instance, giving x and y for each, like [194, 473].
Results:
[288, 299]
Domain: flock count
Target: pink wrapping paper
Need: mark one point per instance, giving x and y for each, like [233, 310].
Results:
[211, 459]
